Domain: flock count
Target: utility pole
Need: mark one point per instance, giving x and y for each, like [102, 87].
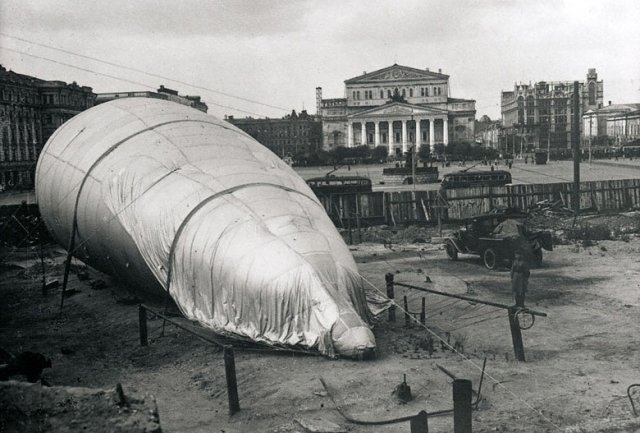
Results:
[590, 120]
[549, 145]
[575, 144]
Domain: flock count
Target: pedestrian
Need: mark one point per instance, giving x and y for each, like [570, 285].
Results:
[519, 278]
[510, 164]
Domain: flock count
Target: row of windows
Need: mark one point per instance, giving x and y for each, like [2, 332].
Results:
[47, 98]
[22, 137]
[25, 153]
[543, 118]
[424, 91]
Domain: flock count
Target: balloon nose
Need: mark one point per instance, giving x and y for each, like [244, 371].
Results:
[357, 342]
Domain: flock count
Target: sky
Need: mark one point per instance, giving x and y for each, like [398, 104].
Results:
[266, 58]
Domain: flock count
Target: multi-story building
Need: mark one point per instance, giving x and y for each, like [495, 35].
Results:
[594, 122]
[488, 133]
[396, 107]
[624, 128]
[539, 115]
[292, 136]
[31, 109]
[162, 93]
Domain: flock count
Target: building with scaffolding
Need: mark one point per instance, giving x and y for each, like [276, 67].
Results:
[538, 116]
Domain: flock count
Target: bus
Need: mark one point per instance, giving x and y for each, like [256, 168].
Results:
[339, 184]
[470, 179]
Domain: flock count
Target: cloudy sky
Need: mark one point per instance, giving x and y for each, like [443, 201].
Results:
[267, 57]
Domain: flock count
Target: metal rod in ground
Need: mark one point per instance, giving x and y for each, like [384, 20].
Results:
[467, 298]
[142, 321]
[420, 423]
[516, 334]
[232, 384]
[407, 319]
[44, 277]
[392, 309]
[423, 313]
[462, 406]
[67, 263]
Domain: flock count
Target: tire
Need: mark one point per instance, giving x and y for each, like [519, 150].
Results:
[452, 252]
[537, 258]
[490, 259]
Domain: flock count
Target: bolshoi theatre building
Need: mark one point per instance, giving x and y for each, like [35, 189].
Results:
[396, 107]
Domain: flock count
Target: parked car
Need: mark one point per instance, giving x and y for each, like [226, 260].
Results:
[495, 237]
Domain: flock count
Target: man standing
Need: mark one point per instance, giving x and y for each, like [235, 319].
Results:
[519, 278]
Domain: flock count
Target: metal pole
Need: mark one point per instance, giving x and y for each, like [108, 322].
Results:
[142, 321]
[590, 120]
[407, 319]
[392, 309]
[467, 298]
[420, 423]
[423, 313]
[357, 197]
[575, 144]
[549, 146]
[462, 406]
[232, 384]
[516, 334]
[44, 277]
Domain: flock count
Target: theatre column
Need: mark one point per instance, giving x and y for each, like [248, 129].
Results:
[404, 136]
[376, 136]
[445, 131]
[363, 133]
[349, 134]
[418, 135]
[391, 138]
[432, 136]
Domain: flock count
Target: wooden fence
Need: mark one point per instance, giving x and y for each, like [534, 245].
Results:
[394, 208]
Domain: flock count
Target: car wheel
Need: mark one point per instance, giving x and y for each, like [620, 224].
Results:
[452, 252]
[537, 255]
[490, 259]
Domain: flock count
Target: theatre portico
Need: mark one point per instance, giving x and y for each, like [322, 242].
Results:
[398, 126]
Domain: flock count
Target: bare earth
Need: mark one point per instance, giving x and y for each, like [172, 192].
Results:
[580, 359]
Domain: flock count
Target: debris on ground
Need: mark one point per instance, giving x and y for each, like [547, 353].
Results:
[30, 408]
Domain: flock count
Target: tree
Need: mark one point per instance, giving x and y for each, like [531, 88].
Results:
[379, 153]
[424, 152]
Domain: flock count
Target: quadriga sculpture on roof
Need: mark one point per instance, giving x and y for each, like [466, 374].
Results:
[168, 198]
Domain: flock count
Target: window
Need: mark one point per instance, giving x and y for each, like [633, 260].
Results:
[426, 91]
[404, 93]
[411, 93]
[389, 93]
[381, 94]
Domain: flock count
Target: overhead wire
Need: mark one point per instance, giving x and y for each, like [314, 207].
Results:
[116, 77]
[151, 74]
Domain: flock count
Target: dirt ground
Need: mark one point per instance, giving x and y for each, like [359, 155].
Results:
[580, 359]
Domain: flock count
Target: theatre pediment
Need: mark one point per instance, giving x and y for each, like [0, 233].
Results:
[395, 73]
[400, 110]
